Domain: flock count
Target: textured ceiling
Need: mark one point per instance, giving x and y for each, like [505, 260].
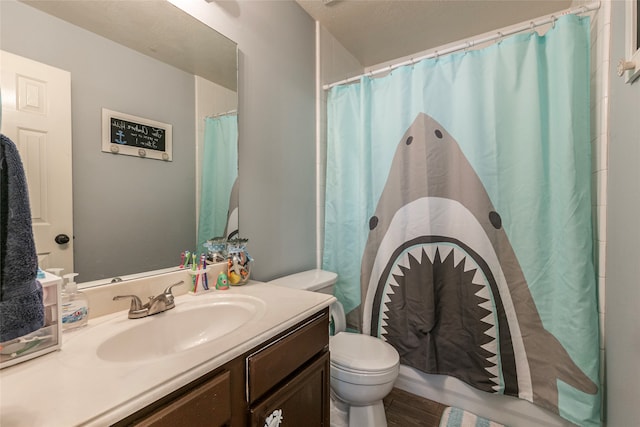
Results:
[157, 29]
[377, 31]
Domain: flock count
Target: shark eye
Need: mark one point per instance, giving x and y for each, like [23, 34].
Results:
[438, 133]
[496, 221]
[373, 222]
[409, 140]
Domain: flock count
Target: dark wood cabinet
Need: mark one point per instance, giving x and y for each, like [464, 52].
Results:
[208, 404]
[274, 362]
[301, 401]
[281, 382]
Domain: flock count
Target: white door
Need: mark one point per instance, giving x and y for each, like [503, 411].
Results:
[36, 116]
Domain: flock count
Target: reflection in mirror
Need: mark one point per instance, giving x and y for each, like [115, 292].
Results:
[218, 194]
[149, 60]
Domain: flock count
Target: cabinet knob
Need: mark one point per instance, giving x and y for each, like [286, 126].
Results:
[274, 419]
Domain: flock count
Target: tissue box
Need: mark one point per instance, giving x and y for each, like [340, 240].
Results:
[44, 340]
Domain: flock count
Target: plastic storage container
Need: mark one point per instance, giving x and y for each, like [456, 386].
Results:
[44, 340]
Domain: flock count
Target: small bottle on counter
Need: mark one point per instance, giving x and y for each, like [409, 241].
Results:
[75, 306]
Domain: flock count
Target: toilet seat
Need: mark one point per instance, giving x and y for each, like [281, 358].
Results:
[364, 378]
[362, 359]
[364, 353]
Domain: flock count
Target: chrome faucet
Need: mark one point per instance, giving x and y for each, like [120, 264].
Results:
[163, 302]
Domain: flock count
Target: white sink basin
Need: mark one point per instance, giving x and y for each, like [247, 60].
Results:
[190, 324]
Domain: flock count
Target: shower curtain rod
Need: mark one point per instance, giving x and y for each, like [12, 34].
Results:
[471, 42]
[228, 113]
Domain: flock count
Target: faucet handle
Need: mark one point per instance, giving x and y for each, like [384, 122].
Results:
[136, 304]
[169, 299]
[167, 291]
[137, 310]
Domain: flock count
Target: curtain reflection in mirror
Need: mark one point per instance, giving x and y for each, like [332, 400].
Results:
[219, 197]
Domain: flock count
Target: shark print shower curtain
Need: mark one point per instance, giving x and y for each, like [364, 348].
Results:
[458, 216]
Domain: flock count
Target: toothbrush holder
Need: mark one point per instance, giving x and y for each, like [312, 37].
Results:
[199, 281]
[198, 276]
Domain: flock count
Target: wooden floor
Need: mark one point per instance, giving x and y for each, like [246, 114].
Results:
[404, 409]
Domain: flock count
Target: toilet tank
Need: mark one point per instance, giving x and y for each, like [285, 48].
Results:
[311, 280]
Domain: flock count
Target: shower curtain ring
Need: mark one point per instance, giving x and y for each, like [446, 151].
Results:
[553, 21]
[500, 37]
[468, 45]
[532, 27]
[436, 55]
[583, 10]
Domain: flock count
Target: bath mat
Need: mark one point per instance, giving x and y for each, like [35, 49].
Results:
[456, 417]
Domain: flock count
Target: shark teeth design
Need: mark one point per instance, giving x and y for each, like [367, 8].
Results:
[439, 253]
[386, 299]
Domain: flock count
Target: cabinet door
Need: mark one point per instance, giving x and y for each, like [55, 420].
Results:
[206, 405]
[301, 401]
[272, 363]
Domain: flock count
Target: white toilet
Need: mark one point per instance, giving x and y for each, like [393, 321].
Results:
[363, 368]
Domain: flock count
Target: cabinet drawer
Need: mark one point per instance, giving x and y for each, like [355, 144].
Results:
[206, 405]
[273, 363]
[301, 401]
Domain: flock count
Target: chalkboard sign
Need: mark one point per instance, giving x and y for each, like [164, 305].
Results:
[135, 136]
[124, 132]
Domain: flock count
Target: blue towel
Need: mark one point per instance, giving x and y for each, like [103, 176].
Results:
[21, 306]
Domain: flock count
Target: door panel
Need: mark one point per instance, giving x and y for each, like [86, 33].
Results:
[36, 116]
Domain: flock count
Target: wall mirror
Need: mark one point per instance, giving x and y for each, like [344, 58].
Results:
[131, 214]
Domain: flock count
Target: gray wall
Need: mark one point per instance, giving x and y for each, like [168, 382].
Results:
[276, 85]
[622, 321]
[130, 214]
[277, 136]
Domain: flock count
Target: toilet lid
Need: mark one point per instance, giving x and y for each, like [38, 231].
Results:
[311, 280]
[357, 352]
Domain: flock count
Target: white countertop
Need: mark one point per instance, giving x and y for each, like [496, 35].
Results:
[73, 386]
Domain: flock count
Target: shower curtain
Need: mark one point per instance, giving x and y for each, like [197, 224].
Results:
[218, 206]
[458, 216]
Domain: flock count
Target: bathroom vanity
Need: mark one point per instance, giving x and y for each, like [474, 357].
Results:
[274, 365]
[285, 377]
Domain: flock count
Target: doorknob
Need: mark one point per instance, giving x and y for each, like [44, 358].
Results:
[61, 239]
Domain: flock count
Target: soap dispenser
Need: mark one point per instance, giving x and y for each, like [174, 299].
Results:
[75, 306]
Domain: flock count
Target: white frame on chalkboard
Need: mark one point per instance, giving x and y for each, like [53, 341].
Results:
[108, 147]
